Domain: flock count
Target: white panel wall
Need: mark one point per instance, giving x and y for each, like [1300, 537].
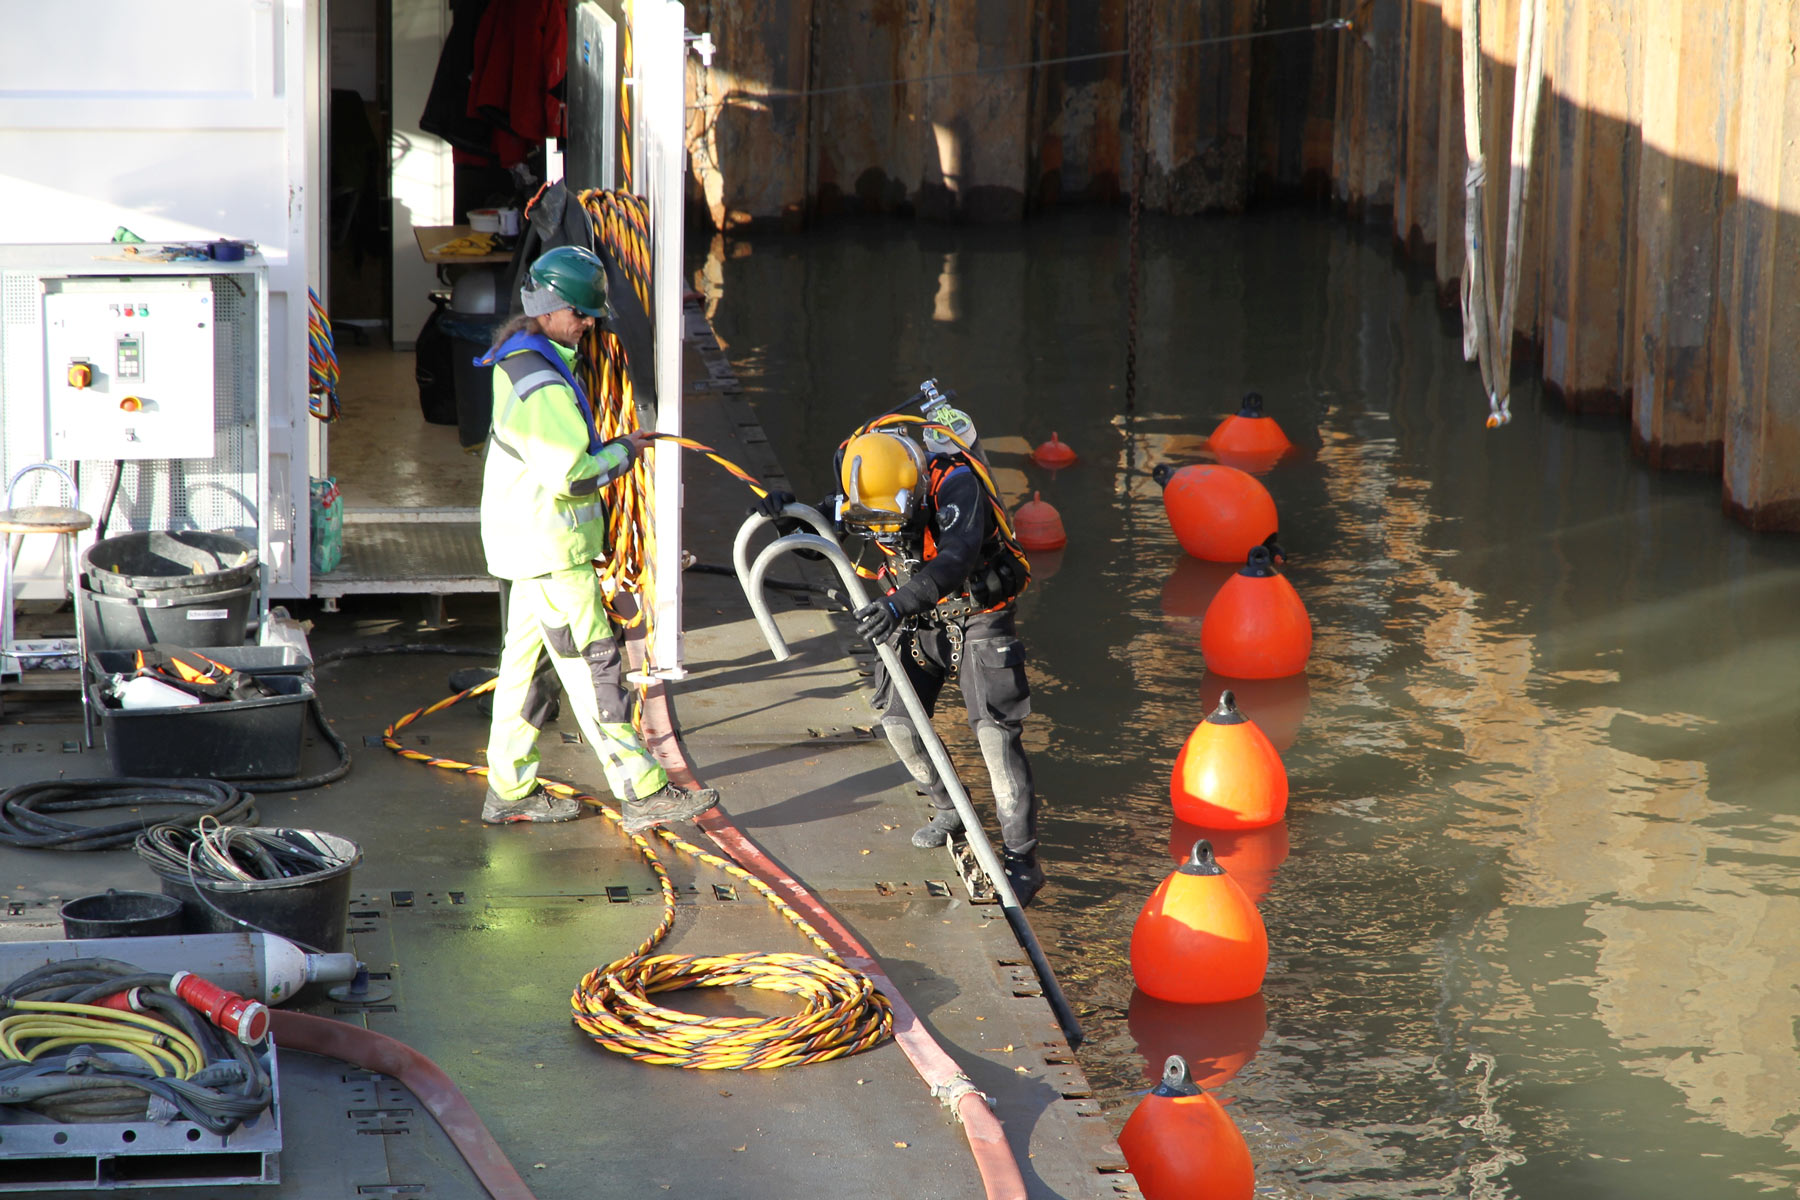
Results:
[182, 120]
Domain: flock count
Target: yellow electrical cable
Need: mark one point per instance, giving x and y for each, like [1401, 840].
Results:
[62, 1024]
[843, 1012]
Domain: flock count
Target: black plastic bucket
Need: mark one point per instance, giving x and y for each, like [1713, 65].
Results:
[168, 564]
[121, 914]
[313, 910]
[172, 617]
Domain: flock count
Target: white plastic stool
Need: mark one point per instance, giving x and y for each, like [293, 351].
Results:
[65, 523]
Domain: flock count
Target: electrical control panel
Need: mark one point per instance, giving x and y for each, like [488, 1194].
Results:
[129, 368]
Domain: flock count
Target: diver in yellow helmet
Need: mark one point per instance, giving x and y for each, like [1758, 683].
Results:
[950, 580]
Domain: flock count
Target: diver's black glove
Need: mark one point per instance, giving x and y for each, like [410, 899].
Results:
[773, 505]
[877, 621]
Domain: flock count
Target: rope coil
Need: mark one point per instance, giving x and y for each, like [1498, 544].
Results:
[843, 1013]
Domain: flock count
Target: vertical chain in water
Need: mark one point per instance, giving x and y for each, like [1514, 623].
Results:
[1137, 42]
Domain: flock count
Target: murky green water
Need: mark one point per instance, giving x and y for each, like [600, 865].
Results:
[1533, 914]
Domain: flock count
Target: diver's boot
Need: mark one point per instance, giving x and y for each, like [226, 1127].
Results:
[1023, 873]
[944, 822]
[670, 803]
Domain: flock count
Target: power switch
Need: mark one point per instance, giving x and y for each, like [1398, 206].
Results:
[81, 375]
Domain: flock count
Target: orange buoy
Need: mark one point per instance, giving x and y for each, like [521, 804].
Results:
[1039, 526]
[1228, 775]
[1217, 512]
[1280, 705]
[1181, 1145]
[1190, 588]
[1251, 435]
[1215, 1039]
[1053, 454]
[1251, 856]
[1199, 938]
[1256, 627]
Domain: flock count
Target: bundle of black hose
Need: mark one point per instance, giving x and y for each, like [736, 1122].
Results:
[26, 820]
[67, 1016]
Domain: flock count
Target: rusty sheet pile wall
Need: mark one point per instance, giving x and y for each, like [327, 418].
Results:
[1659, 243]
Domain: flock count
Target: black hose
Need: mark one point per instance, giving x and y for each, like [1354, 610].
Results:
[106, 506]
[25, 819]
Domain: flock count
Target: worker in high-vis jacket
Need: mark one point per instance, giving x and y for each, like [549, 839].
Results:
[543, 527]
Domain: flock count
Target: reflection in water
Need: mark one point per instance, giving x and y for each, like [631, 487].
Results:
[1531, 925]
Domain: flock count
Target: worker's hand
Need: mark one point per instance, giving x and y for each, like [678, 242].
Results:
[773, 505]
[636, 440]
[877, 621]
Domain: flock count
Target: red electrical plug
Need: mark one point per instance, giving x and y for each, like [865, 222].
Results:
[246, 1020]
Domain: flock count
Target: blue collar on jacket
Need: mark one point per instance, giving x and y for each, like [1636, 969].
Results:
[526, 340]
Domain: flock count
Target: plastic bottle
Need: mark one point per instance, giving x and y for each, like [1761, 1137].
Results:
[145, 692]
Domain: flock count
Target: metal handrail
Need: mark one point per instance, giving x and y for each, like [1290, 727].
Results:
[750, 575]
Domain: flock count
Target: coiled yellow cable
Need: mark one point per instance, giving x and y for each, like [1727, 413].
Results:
[39, 1026]
[843, 1012]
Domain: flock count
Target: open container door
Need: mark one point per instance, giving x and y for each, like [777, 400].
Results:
[627, 128]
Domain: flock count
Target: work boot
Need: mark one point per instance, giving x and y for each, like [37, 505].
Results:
[538, 805]
[1023, 873]
[669, 804]
[944, 822]
[464, 678]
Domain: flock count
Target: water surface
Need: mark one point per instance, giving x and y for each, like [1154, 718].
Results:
[1533, 912]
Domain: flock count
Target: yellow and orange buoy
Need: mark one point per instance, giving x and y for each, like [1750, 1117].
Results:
[1217, 512]
[1199, 938]
[1053, 454]
[1256, 627]
[1181, 1144]
[1039, 526]
[1251, 856]
[1228, 775]
[1249, 440]
[1216, 1040]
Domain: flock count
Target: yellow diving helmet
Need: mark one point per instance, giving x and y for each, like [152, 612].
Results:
[883, 477]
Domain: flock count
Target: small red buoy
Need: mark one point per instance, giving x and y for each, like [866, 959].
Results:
[1256, 627]
[1181, 1145]
[1217, 512]
[1053, 454]
[1251, 439]
[1251, 856]
[1199, 939]
[1215, 1039]
[1228, 775]
[1039, 526]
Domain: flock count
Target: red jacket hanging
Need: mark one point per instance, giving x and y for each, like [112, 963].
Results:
[521, 56]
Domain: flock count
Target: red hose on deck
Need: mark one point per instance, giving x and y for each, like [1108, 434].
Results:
[1000, 1174]
[435, 1090]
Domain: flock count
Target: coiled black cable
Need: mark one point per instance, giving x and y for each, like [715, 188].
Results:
[26, 819]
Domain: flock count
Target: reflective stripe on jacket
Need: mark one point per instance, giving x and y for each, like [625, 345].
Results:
[541, 509]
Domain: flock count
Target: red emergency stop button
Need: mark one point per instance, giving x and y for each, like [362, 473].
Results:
[81, 375]
[131, 404]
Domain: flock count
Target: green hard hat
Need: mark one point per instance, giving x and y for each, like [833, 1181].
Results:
[577, 276]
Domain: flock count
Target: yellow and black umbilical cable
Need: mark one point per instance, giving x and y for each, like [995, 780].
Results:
[842, 1013]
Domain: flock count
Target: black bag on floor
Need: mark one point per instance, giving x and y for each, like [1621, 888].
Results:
[434, 371]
